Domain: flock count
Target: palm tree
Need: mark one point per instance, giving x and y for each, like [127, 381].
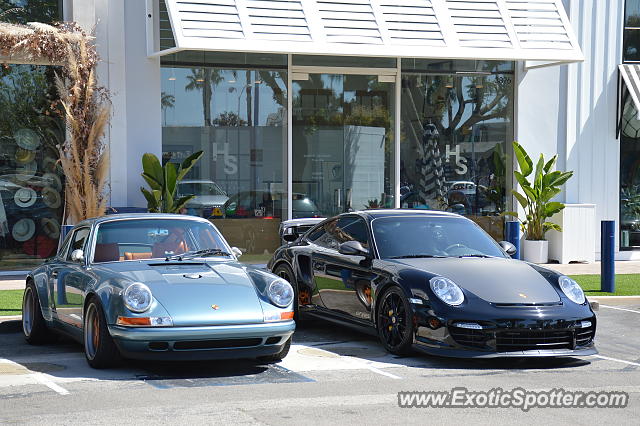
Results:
[205, 79]
[166, 101]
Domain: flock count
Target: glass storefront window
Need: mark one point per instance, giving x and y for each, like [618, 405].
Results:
[454, 136]
[631, 36]
[630, 178]
[31, 181]
[343, 143]
[235, 113]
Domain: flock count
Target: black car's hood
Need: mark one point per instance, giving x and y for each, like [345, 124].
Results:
[495, 280]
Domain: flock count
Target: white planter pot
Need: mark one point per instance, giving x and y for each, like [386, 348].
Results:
[536, 251]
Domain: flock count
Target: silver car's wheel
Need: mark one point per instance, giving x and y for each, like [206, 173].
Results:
[27, 312]
[92, 332]
[99, 348]
[33, 324]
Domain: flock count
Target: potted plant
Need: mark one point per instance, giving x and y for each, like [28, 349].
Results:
[539, 185]
[162, 195]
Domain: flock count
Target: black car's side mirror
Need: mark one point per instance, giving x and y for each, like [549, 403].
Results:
[508, 247]
[353, 248]
[290, 236]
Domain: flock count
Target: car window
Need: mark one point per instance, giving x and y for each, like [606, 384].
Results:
[338, 231]
[78, 241]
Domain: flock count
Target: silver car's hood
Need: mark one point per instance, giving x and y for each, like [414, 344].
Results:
[495, 280]
[202, 294]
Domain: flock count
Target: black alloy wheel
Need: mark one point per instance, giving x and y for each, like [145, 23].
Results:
[395, 322]
[284, 271]
[33, 323]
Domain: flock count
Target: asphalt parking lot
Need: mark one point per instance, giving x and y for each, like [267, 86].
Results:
[331, 375]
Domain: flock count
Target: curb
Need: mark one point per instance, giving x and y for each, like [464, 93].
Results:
[615, 300]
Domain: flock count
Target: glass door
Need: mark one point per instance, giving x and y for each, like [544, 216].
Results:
[343, 138]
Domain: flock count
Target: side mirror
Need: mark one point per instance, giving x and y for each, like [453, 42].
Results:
[508, 247]
[77, 256]
[236, 251]
[289, 235]
[353, 248]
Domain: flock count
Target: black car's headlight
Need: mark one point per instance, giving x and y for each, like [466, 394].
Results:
[571, 289]
[280, 293]
[446, 290]
[137, 297]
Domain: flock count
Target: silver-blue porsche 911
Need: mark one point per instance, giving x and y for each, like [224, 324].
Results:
[157, 286]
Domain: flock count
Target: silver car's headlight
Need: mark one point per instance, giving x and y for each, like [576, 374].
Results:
[280, 293]
[446, 290]
[571, 289]
[137, 297]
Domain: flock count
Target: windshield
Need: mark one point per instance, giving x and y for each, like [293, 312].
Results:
[421, 236]
[200, 188]
[154, 238]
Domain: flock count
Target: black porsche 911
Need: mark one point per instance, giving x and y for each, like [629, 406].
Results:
[435, 282]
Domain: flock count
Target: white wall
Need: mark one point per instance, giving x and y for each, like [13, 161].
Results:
[134, 83]
[572, 109]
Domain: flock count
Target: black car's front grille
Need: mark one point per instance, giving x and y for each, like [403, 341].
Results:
[584, 336]
[467, 337]
[215, 344]
[524, 340]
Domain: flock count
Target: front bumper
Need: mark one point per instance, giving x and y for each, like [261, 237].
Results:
[202, 343]
[553, 331]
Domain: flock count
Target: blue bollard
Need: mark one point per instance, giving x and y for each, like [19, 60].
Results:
[607, 263]
[513, 236]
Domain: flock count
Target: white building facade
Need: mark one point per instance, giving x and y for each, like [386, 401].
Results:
[314, 107]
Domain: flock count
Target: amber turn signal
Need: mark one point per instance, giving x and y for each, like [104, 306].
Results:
[133, 321]
[286, 315]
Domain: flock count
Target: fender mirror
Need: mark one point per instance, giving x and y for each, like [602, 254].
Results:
[77, 256]
[508, 247]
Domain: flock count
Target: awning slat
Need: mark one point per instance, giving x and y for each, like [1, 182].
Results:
[631, 76]
[536, 30]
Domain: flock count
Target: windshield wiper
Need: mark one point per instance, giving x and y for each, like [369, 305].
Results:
[474, 255]
[416, 256]
[198, 253]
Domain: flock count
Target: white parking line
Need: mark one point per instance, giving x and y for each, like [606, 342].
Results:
[48, 383]
[619, 309]
[617, 360]
[382, 372]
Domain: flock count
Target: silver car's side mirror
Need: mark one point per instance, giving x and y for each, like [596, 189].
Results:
[508, 247]
[236, 251]
[77, 256]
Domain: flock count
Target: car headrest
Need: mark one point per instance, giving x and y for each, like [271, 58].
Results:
[106, 252]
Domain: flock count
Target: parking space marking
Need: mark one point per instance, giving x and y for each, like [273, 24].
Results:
[42, 379]
[383, 373]
[619, 309]
[608, 358]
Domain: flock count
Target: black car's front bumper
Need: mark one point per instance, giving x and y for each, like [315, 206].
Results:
[522, 331]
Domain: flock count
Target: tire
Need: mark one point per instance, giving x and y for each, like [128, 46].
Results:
[279, 356]
[34, 326]
[395, 322]
[99, 348]
[284, 271]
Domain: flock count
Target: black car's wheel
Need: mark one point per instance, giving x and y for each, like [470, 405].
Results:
[395, 324]
[279, 356]
[33, 324]
[284, 271]
[99, 348]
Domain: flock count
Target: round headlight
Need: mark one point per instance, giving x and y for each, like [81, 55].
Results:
[137, 297]
[446, 290]
[280, 293]
[571, 289]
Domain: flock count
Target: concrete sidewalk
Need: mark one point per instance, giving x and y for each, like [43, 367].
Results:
[12, 284]
[622, 267]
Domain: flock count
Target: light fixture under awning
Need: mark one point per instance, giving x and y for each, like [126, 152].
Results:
[536, 30]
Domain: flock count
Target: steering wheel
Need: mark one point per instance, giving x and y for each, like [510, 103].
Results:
[457, 245]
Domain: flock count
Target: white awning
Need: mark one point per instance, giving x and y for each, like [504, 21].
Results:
[631, 76]
[536, 30]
